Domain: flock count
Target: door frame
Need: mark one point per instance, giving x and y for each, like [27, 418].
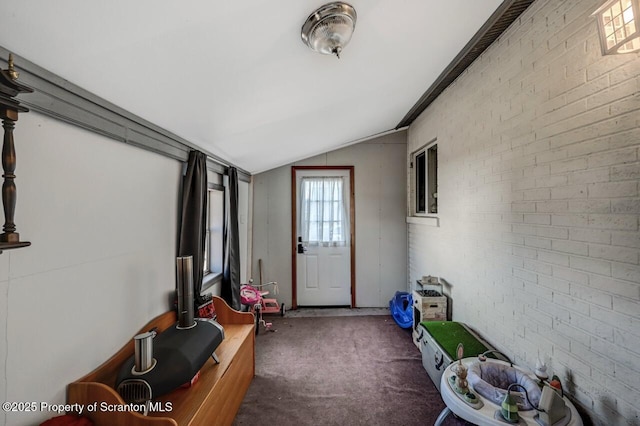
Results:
[294, 229]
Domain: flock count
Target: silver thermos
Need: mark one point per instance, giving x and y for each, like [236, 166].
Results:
[143, 351]
[184, 278]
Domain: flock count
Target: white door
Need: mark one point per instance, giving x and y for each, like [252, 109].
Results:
[323, 255]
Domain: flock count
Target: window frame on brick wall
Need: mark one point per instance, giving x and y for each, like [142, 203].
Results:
[618, 26]
[424, 180]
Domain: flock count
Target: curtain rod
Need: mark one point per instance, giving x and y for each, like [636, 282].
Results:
[60, 99]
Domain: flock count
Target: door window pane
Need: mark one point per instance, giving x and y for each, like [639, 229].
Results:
[323, 213]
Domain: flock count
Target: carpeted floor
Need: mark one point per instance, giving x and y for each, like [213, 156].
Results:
[348, 370]
[336, 312]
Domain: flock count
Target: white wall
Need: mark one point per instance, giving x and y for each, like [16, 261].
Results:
[379, 167]
[538, 145]
[101, 217]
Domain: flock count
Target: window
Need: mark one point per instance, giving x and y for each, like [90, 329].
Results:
[214, 231]
[323, 211]
[425, 180]
[618, 26]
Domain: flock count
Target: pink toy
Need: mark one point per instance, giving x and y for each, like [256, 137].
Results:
[253, 297]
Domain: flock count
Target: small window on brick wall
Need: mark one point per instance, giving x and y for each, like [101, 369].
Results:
[618, 26]
[424, 166]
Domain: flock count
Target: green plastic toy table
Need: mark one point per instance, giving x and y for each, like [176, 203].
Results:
[439, 341]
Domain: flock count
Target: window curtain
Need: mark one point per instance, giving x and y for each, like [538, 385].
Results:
[230, 291]
[193, 219]
[323, 214]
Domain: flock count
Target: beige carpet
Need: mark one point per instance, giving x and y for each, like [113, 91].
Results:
[335, 312]
[339, 370]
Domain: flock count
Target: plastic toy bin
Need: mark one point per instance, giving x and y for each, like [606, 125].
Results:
[439, 341]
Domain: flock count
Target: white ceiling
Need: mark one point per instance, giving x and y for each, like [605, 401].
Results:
[234, 77]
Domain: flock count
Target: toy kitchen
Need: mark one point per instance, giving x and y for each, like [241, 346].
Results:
[429, 304]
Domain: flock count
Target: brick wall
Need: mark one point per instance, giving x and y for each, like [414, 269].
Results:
[539, 206]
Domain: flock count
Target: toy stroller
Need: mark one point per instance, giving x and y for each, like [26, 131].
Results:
[253, 297]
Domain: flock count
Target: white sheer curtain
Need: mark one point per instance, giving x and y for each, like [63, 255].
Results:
[323, 214]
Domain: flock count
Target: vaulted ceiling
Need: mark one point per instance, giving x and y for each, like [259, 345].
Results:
[234, 77]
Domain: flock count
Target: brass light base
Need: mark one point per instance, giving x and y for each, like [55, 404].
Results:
[9, 246]
[9, 237]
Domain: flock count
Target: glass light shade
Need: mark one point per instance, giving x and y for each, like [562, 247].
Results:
[328, 30]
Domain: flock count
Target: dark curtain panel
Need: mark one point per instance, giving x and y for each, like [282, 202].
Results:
[231, 273]
[193, 218]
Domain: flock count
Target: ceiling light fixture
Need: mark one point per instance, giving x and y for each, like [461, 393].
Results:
[329, 29]
[618, 26]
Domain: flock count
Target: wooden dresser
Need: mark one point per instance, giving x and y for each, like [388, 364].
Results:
[213, 400]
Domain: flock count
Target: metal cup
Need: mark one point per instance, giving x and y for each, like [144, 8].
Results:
[184, 278]
[143, 354]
